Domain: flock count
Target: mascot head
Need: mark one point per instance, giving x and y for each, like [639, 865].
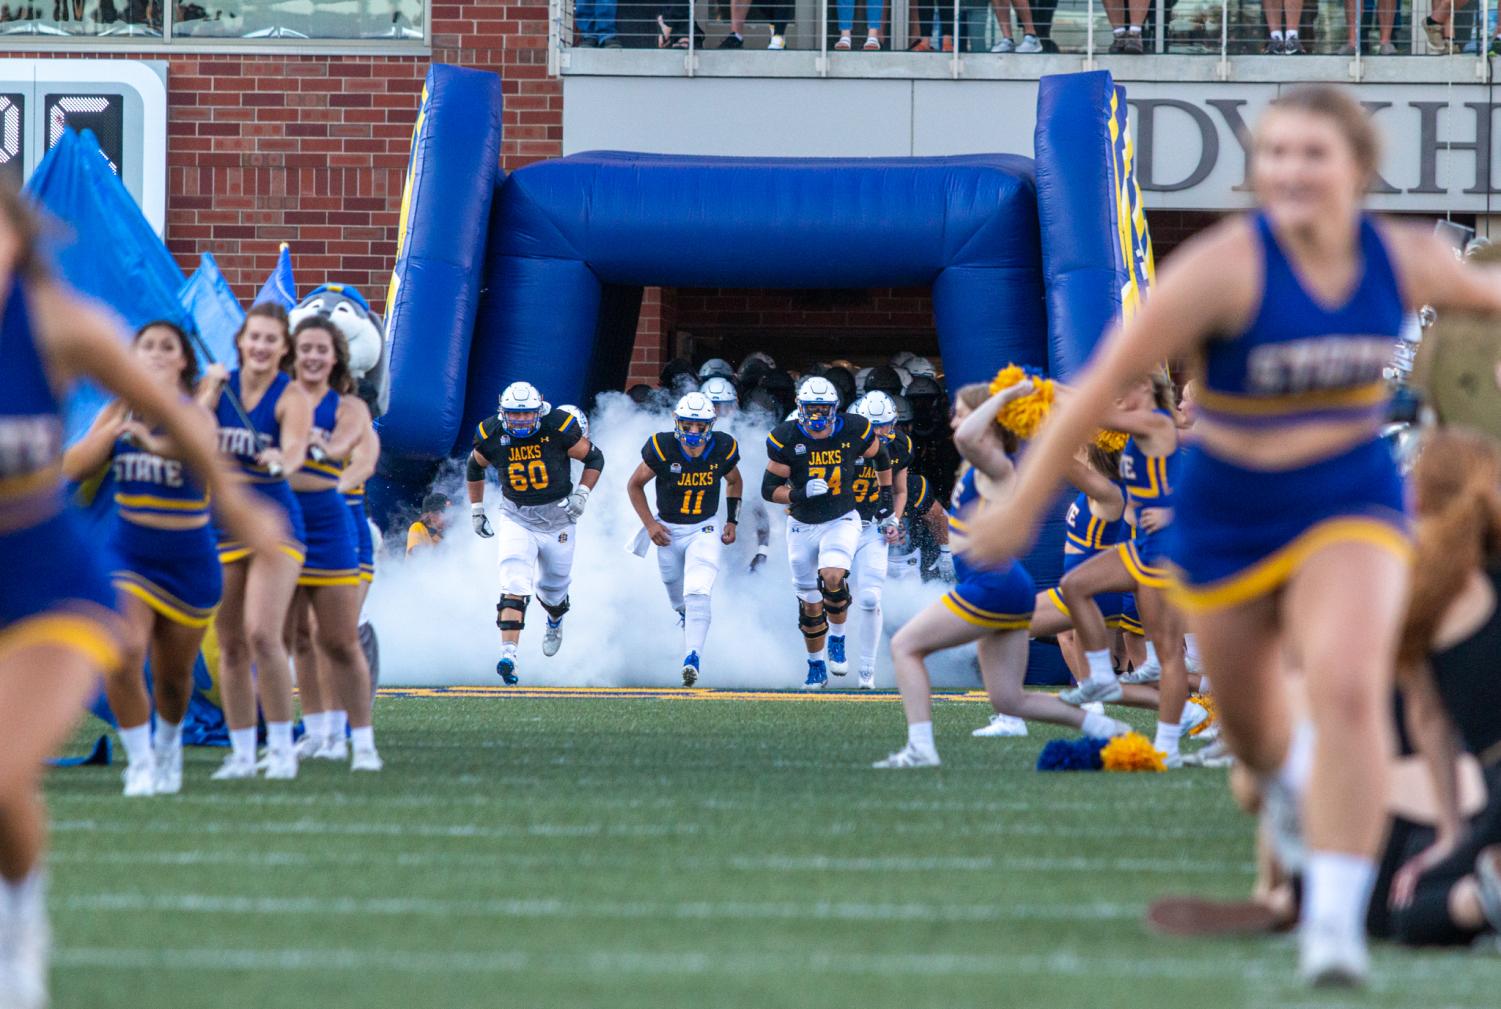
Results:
[364, 331]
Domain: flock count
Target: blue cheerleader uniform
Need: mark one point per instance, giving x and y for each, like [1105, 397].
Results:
[52, 590]
[1240, 533]
[243, 445]
[332, 557]
[364, 542]
[998, 599]
[162, 538]
[1149, 481]
[1086, 536]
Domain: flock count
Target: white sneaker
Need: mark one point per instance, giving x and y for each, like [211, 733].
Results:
[281, 765]
[1030, 44]
[909, 756]
[552, 638]
[1332, 958]
[1002, 725]
[1194, 715]
[867, 681]
[1216, 754]
[308, 746]
[1089, 691]
[169, 771]
[1283, 818]
[1005, 45]
[1173, 761]
[140, 780]
[1092, 708]
[1209, 735]
[366, 760]
[1149, 673]
[234, 768]
[777, 42]
[25, 948]
[333, 749]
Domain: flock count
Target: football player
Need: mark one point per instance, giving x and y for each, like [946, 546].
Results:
[876, 536]
[688, 464]
[813, 461]
[539, 507]
[721, 392]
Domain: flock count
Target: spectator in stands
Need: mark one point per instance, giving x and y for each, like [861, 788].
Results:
[427, 531]
[875, 17]
[1127, 18]
[935, 19]
[1282, 19]
[1006, 44]
[673, 24]
[777, 12]
[1439, 26]
[595, 20]
[1386, 16]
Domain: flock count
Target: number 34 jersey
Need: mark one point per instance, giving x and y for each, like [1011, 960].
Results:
[688, 486]
[836, 460]
[533, 470]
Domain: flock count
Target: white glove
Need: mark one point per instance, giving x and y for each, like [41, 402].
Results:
[481, 523]
[946, 565]
[887, 525]
[574, 503]
[816, 488]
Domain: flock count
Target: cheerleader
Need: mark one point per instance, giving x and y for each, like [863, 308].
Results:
[990, 606]
[258, 585]
[58, 630]
[1289, 533]
[168, 574]
[328, 594]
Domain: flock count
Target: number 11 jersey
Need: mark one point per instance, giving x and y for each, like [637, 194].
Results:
[688, 486]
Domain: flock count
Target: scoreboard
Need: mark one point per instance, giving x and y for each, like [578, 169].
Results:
[123, 101]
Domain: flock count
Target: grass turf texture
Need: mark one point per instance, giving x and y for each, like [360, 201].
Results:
[622, 852]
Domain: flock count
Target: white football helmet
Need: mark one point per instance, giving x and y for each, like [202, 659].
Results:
[693, 418]
[817, 403]
[521, 409]
[921, 366]
[577, 415]
[721, 392]
[715, 367]
[877, 407]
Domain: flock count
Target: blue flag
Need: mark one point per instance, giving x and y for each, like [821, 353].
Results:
[280, 287]
[211, 303]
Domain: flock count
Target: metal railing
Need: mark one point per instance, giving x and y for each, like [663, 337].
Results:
[199, 20]
[1013, 30]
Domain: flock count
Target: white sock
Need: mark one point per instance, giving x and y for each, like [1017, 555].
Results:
[1118, 31]
[1191, 648]
[314, 724]
[168, 735]
[137, 743]
[697, 611]
[822, 655]
[242, 742]
[1204, 687]
[508, 649]
[1100, 668]
[1337, 890]
[1135, 29]
[1292, 33]
[1097, 725]
[1151, 655]
[364, 738]
[1297, 766]
[336, 722]
[26, 898]
[1167, 737]
[1277, 36]
[871, 621]
[278, 736]
[920, 737]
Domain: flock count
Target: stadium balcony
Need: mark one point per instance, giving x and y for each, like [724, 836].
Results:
[1180, 40]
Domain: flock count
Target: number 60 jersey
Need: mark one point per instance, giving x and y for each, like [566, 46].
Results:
[688, 486]
[533, 470]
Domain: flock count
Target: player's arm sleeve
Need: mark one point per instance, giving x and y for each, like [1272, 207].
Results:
[769, 484]
[594, 458]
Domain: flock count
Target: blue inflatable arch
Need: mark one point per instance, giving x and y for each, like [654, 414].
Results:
[573, 241]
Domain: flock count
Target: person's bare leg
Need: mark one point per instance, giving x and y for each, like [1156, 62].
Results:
[1003, 667]
[337, 610]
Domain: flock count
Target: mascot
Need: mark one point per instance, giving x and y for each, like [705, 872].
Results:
[362, 329]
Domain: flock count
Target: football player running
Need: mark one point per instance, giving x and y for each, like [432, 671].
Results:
[876, 535]
[726, 400]
[813, 461]
[539, 507]
[688, 464]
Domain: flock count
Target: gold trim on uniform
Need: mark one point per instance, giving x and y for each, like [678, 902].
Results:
[92, 636]
[162, 601]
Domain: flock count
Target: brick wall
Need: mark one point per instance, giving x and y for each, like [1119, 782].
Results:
[312, 150]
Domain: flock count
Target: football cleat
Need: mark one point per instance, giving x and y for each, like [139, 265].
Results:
[818, 675]
[1089, 691]
[335, 749]
[552, 637]
[234, 768]
[867, 681]
[506, 670]
[140, 780]
[1002, 725]
[1332, 958]
[690, 669]
[281, 765]
[366, 760]
[169, 771]
[909, 756]
[838, 664]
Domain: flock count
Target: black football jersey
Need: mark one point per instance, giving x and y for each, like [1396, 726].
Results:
[919, 494]
[688, 486]
[533, 470]
[835, 459]
[868, 488]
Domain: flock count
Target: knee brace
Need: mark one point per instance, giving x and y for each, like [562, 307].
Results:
[517, 603]
[555, 610]
[813, 625]
[835, 600]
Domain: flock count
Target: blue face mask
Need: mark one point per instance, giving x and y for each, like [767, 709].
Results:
[691, 439]
[517, 429]
[887, 432]
[816, 421]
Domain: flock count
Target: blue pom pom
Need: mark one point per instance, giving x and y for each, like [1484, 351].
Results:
[1081, 754]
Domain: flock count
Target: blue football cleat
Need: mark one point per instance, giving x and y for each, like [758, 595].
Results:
[818, 675]
[507, 670]
[690, 669]
[838, 664]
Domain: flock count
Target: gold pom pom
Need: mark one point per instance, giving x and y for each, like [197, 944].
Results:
[1206, 702]
[1023, 416]
[1111, 441]
[1132, 752]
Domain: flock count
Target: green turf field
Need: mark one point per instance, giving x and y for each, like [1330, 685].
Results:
[635, 852]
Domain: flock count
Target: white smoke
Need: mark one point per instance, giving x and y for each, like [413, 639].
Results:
[435, 612]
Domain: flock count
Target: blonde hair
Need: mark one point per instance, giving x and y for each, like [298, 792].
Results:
[1338, 105]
